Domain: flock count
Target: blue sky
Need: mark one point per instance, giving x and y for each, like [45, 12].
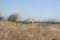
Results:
[40, 9]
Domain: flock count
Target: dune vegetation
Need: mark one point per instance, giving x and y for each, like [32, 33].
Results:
[12, 29]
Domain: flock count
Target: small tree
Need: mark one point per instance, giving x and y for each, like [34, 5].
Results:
[13, 17]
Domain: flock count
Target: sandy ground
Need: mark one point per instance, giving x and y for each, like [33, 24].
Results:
[13, 31]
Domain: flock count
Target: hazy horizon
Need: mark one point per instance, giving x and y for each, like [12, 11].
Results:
[40, 9]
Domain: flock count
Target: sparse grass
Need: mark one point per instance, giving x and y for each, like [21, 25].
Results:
[11, 30]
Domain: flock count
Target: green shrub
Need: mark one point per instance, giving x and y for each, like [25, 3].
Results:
[1, 17]
[26, 22]
[13, 17]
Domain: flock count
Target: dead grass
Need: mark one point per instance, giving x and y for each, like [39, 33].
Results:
[13, 31]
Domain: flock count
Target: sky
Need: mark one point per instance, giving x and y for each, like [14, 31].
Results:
[40, 9]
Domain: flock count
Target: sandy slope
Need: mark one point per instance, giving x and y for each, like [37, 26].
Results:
[13, 31]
